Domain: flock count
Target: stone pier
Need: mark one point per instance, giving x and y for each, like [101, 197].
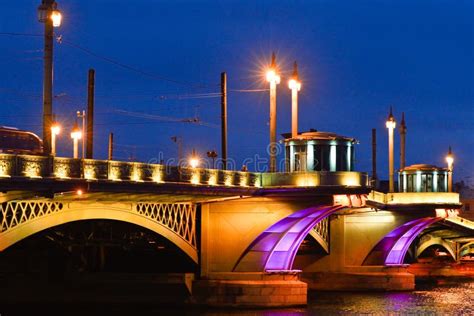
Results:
[250, 289]
[361, 278]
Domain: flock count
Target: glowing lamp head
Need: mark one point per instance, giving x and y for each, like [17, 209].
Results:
[272, 76]
[55, 129]
[390, 120]
[450, 159]
[194, 160]
[56, 17]
[76, 133]
[294, 84]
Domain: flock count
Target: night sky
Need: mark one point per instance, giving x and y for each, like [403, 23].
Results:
[356, 58]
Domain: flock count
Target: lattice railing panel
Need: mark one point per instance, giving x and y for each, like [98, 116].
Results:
[178, 217]
[322, 229]
[14, 213]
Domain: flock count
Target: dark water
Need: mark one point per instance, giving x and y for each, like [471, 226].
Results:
[455, 299]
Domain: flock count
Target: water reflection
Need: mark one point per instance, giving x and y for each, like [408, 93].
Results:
[457, 299]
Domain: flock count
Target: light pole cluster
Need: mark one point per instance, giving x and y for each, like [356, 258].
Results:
[391, 125]
[273, 78]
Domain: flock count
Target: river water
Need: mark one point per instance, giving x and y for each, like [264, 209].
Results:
[454, 299]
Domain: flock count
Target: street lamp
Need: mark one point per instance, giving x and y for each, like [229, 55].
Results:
[295, 85]
[76, 134]
[51, 17]
[194, 160]
[55, 130]
[390, 124]
[450, 161]
[273, 78]
[213, 155]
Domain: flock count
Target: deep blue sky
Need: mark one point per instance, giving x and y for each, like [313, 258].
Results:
[356, 58]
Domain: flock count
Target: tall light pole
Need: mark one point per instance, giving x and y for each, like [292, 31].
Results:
[273, 78]
[76, 134]
[51, 17]
[403, 135]
[390, 124]
[450, 161]
[224, 120]
[83, 117]
[179, 141]
[295, 85]
[55, 130]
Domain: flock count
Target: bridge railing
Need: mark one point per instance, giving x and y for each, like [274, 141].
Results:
[91, 169]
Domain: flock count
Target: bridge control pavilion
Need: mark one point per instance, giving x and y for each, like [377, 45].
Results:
[245, 230]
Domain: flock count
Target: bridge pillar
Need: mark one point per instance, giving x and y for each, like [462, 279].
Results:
[251, 289]
[227, 228]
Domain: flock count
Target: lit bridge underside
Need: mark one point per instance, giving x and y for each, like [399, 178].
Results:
[174, 220]
[442, 228]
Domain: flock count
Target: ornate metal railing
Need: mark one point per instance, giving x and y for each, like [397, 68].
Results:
[321, 233]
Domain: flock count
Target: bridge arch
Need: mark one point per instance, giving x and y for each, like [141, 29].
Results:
[435, 241]
[176, 222]
[392, 248]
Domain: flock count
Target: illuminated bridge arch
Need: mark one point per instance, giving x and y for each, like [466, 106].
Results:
[432, 242]
[276, 247]
[391, 249]
[466, 249]
[174, 221]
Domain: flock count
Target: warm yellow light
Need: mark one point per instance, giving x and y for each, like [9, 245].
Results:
[56, 17]
[272, 76]
[55, 129]
[449, 160]
[79, 192]
[193, 162]
[76, 134]
[390, 124]
[294, 84]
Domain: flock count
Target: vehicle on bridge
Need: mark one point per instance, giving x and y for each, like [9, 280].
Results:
[15, 141]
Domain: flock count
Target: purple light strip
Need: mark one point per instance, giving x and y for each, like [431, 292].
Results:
[276, 247]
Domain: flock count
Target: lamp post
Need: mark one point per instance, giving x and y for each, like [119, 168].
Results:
[390, 124]
[273, 78]
[450, 161]
[213, 155]
[83, 117]
[51, 17]
[55, 130]
[76, 134]
[295, 85]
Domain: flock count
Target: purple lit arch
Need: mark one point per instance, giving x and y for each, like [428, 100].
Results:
[276, 247]
[391, 249]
